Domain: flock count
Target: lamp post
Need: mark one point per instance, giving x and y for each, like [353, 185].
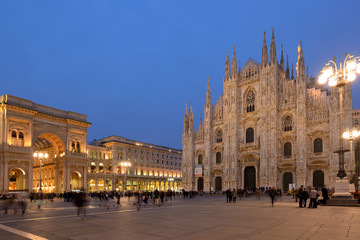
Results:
[339, 77]
[125, 164]
[40, 156]
[351, 136]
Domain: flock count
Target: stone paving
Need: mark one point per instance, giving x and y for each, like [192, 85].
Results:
[199, 218]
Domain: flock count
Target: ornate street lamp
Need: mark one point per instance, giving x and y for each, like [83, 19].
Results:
[351, 136]
[339, 77]
[40, 156]
[126, 165]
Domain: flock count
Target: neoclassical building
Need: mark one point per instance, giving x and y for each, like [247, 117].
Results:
[268, 128]
[153, 167]
[70, 164]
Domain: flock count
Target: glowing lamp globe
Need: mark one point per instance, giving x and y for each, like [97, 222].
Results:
[328, 72]
[322, 79]
[350, 66]
[332, 81]
[351, 76]
[358, 68]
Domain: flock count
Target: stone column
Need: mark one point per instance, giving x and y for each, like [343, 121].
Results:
[85, 180]
[6, 176]
[29, 185]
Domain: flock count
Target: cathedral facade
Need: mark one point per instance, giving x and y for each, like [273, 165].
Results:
[268, 128]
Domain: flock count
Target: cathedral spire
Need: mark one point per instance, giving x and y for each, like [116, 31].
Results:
[186, 120]
[208, 94]
[227, 66]
[273, 59]
[191, 119]
[264, 55]
[287, 67]
[234, 67]
[282, 58]
[300, 65]
[292, 71]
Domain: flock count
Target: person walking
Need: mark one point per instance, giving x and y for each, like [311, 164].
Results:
[313, 196]
[301, 196]
[79, 201]
[325, 194]
[272, 194]
[156, 196]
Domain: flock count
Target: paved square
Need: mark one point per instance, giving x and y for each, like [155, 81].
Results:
[198, 218]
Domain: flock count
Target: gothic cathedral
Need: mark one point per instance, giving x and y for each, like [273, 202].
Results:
[268, 128]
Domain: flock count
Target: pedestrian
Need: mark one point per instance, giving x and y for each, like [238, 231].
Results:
[305, 197]
[80, 202]
[156, 196]
[118, 199]
[313, 196]
[300, 195]
[227, 195]
[325, 194]
[272, 194]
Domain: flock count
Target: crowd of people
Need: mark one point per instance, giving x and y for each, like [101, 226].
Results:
[18, 201]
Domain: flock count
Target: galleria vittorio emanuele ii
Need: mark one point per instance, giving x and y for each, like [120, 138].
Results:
[273, 126]
[45, 149]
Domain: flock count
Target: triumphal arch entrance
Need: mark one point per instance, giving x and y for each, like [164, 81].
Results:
[41, 148]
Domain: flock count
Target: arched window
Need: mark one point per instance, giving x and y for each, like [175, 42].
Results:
[219, 136]
[218, 157]
[318, 146]
[287, 124]
[101, 167]
[21, 135]
[13, 134]
[78, 147]
[287, 149]
[249, 135]
[250, 101]
[92, 167]
[72, 146]
[200, 159]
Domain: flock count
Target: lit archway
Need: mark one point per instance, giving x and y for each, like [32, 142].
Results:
[75, 181]
[92, 185]
[17, 179]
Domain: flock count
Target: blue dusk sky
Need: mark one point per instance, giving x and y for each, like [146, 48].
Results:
[131, 66]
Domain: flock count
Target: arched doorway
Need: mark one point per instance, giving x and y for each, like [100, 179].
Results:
[92, 185]
[250, 178]
[100, 185]
[47, 148]
[318, 178]
[218, 184]
[75, 181]
[17, 179]
[108, 185]
[200, 183]
[287, 179]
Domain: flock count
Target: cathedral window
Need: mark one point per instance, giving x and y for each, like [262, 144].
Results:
[318, 145]
[287, 124]
[287, 149]
[250, 101]
[218, 157]
[219, 136]
[200, 159]
[249, 135]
